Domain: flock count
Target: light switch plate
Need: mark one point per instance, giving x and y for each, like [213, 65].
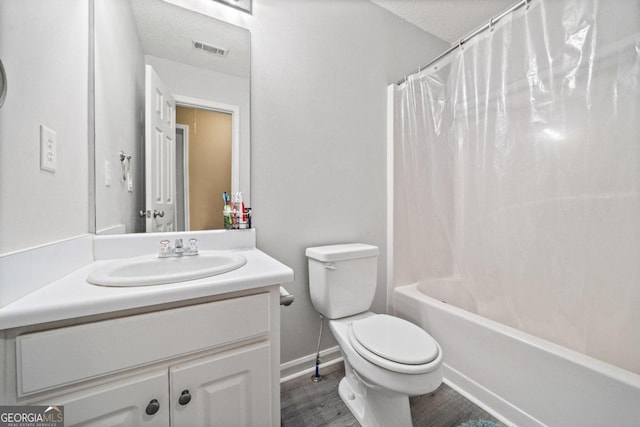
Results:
[48, 149]
[107, 173]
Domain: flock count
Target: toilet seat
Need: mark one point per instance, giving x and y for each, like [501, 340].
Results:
[393, 343]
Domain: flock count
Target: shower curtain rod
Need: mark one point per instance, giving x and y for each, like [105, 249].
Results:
[488, 25]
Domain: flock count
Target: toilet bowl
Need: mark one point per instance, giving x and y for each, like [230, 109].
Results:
[387, 359]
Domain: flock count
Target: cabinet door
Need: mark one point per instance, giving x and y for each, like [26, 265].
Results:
[121, 403]
[227, 389]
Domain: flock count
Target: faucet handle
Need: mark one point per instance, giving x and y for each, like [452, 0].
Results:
[165, 248]
[192, 247]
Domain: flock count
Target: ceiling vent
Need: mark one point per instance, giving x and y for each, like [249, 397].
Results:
[214, 50]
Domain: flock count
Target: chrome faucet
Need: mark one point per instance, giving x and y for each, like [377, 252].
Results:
[178, 250]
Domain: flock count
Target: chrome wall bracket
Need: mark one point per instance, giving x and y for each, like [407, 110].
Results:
[3, 84]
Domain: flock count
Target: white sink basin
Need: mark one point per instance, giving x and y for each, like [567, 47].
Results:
[151, 270]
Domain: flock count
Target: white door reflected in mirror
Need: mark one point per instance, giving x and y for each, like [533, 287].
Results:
[160, 154]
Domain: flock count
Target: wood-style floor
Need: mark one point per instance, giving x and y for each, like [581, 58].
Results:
[308, 404]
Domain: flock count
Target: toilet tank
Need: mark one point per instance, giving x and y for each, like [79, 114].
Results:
[342, 278]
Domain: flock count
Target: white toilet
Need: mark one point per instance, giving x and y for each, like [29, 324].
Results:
[386, 359]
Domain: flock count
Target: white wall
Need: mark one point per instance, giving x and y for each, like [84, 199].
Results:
[195, 82]
[119, 124]
[319, 75]
[44, 48]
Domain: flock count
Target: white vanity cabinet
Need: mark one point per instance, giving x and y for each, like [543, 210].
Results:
[203, 364]
[123, 403]
[227, 389]
[222, 390]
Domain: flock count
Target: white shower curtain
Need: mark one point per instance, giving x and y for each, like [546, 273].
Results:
[517, 176]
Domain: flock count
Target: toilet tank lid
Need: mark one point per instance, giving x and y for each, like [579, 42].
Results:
[342, 252]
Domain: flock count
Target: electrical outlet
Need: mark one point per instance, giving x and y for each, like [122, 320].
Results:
[48, 149]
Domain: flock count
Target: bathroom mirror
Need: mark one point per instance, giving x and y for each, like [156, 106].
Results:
[203, 68]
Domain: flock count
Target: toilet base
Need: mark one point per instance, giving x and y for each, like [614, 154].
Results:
[374, 406]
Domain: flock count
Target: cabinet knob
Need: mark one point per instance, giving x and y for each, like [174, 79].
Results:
[185, 397]
[152, 407]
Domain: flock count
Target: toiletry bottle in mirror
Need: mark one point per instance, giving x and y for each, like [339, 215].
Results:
[240, 210]
[227, 211]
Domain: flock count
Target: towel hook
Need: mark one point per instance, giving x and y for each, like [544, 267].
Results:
[124, 157]
[125, 163]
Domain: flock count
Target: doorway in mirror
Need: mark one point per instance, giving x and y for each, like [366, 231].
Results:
[206, 160]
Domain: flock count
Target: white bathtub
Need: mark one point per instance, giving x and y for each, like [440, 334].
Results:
[522, 379]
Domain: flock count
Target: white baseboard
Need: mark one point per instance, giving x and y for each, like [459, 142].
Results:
[501, 409]
[306, 364]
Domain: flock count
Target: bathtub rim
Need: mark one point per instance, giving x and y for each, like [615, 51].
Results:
[613, 372]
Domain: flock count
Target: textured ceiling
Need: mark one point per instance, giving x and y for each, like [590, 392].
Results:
[167, 31]
[448, 20]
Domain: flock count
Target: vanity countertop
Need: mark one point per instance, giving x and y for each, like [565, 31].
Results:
[72, 296]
